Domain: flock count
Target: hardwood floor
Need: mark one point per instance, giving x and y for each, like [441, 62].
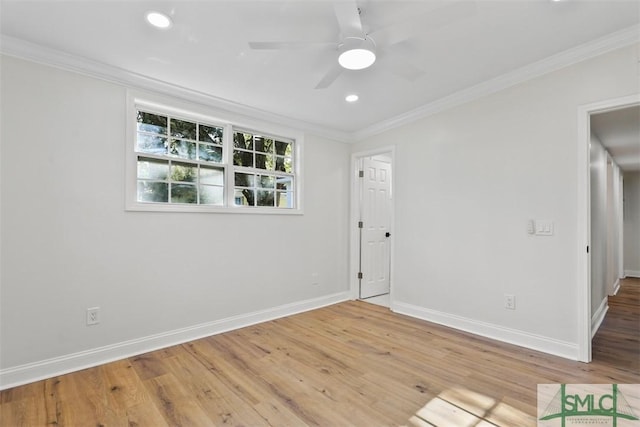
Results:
[349, 364]
[620, 330]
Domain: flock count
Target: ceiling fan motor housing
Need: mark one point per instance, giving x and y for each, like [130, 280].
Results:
[357, 53]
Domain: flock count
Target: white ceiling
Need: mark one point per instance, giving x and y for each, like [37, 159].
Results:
[619, 132]
[457, 45]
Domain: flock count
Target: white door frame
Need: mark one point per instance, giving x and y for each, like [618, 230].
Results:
[354, 217]
[584, 216]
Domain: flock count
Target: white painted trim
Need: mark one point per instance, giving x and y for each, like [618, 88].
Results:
[512, 336]
[43, 369]
[616, 287]
[583, 216]
[598, 316]
[355, 216]
[33, 52]
[632, 273]
[583, 237]
[564, 59]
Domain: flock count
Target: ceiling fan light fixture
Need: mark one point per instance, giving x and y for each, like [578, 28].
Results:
[357, 53]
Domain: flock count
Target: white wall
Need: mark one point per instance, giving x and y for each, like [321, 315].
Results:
[468, 179]
[68, 244]
[631, 191]
[606, 228]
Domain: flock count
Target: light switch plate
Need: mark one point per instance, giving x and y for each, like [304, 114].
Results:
[544, 228]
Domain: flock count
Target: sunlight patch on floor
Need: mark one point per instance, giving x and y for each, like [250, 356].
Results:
[459, 407]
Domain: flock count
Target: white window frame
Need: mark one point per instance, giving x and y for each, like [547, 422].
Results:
[230, 123]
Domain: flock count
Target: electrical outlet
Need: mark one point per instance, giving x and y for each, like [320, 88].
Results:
[93, 316]
[509, 302]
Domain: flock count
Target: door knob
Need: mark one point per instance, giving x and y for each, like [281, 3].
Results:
[387, 234]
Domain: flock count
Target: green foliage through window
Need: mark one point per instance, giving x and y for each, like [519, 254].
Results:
[183, 161]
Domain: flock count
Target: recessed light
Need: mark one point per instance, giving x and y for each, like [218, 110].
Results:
[351, 98]
[158, 20]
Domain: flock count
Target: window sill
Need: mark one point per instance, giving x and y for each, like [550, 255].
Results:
[158, 207]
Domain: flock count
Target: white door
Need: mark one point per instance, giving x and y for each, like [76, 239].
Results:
[375, 233]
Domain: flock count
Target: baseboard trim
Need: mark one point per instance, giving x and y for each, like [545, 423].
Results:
[598, 317]
[632, 273]
[24, 374]
[616, 287]
[512, 336]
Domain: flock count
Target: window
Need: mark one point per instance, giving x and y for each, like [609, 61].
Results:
[183, 161]
[177, 160]
[263, 171]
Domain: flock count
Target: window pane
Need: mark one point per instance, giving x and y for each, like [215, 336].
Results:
[210, 134]
[266, 181]
[184, 193]
[211, 176]
[210, 153]
[243, 140]
[211, 195]
[264, 161]
[183, 172]
[151, 144]
[265, 198]
[152, 123]
[244, 197]
[243, 158]
[284, 199]
[264, 145]
[284, 148]
[152, 169]
[284, 183]
[153, 191]
[283, 164]
[184, 149]
[183, 129]
[244, 180]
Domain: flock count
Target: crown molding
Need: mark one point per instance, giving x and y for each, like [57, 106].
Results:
[563, 59]
[26, 50]
[22, 49]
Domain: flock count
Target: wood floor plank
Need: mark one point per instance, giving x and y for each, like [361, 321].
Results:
[216, 400]
[350, 364]
[145, 415]
[23, 412]
[125, 386]
[174, 402]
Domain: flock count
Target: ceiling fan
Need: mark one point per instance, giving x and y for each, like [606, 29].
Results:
[357, 50]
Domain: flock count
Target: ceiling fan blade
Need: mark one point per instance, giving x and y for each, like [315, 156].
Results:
[330, 77]
[425, 22]
[348, 17]
[287, 45]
